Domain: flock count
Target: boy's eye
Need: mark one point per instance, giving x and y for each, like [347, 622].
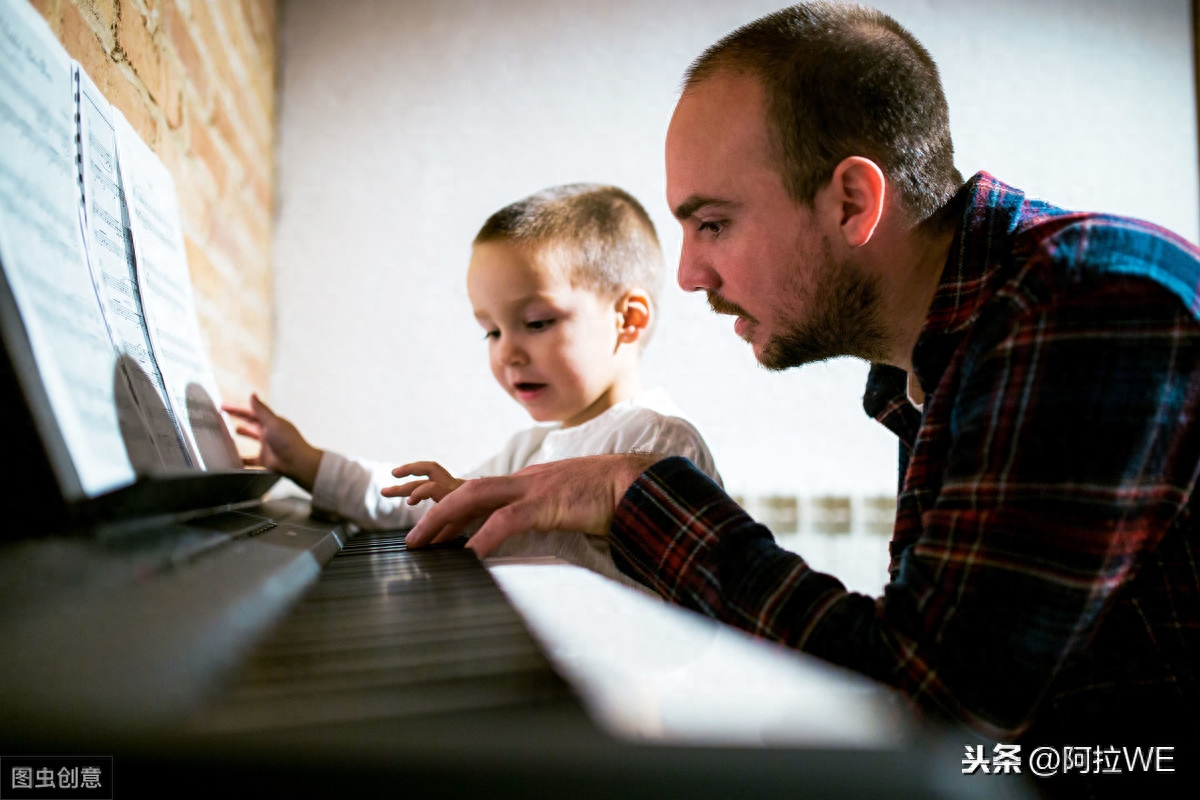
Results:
[491, 335]
[539, 324]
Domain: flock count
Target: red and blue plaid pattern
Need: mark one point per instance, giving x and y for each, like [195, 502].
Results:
[1044, 580]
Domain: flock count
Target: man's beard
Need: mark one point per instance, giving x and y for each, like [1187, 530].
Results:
[842, 319]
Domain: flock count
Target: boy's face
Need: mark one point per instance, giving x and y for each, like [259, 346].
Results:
[552, 346]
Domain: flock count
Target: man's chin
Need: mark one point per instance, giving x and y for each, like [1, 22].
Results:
[761, 348]
[768, 363]
[767, 357]
[778, 354]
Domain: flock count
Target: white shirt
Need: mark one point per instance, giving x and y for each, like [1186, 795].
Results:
[647, 422]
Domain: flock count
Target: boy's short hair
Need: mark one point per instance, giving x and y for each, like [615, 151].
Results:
[608, 233]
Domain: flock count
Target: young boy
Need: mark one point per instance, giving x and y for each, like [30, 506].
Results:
[564, 284]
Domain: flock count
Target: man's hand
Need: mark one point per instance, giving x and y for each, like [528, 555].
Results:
[437, 484]
[577, 494]
[283, 448]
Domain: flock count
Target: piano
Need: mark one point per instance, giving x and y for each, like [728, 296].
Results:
[246, 642]
[256, 645]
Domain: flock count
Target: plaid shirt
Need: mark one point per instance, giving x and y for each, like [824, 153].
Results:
[1044, 581]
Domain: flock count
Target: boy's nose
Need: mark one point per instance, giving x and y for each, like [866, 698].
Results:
[511, 352]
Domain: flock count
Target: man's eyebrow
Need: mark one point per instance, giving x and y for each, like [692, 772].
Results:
[696, 202]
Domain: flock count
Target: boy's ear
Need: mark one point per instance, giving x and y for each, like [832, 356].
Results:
[633, 309]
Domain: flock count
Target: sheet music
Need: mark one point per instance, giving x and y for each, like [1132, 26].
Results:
[110, 254]
[42, 251]
[170, 312]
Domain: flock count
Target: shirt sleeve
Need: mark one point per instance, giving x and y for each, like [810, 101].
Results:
[674, 436]
[1070, 450]
[350, 488]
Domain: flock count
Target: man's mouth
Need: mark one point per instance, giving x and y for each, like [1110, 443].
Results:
[744, 323]
[722, 306]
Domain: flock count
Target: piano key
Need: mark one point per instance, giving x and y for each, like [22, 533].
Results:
[388, 633]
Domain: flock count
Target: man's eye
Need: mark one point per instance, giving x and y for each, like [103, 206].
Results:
[711, 226]
[539, 324]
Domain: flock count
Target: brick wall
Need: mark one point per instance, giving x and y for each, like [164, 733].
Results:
[196, 78]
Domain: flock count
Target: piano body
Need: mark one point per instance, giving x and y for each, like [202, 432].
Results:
[204, 637]
[256, 646]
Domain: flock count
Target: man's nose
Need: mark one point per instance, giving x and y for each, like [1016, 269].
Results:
[693, 275]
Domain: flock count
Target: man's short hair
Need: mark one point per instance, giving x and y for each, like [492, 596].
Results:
[607, 237]
[843, 80]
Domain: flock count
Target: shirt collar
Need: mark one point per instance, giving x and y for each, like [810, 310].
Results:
[989, 213]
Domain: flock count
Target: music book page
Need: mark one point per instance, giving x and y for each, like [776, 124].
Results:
[110, 253]
[92, 254]
[170, 311]
[42, 251]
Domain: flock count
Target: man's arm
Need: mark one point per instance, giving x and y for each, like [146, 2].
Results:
[1068, 454]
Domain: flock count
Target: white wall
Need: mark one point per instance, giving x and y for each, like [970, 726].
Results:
[405, 124]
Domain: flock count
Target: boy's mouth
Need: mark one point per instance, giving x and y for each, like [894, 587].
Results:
[527, 391]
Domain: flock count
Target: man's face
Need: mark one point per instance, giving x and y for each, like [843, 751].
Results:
[758, 254]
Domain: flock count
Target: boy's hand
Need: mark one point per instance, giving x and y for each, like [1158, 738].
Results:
[437, 484]
[576, 494]
[283, 448]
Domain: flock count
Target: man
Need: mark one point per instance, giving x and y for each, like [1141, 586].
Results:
[1041, 369]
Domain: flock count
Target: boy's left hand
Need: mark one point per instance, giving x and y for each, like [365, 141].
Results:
[437, 483]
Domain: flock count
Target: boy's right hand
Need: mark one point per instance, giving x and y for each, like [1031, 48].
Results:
[282, 449]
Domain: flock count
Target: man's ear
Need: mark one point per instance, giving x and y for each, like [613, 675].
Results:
[633, 310]
[855, 195]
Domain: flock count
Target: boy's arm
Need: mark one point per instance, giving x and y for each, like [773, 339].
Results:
[352, 488]
[347, 487]
[282, 448]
